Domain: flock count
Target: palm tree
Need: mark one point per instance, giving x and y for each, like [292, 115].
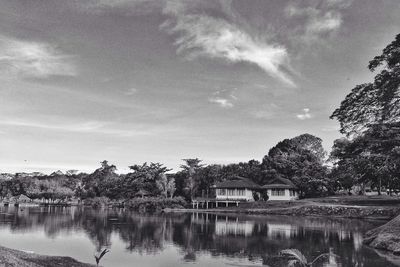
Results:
[296, 257]
[99, 256]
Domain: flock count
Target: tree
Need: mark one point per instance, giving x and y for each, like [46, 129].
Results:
[98, 183]
[300, 160]
[147, 177]
[191, 170]
[371, 157]
[376, 102]
[166, 185]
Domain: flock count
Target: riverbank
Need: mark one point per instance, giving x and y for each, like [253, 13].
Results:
[326, 207]
[385, 237]
[16, 258]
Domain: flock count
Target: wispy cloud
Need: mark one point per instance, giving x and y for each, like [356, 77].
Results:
[223, 98]
[305, 115]
[266, 111]
[33, 59]
[94, 127]
[199, 34]
[131, 91]
[319, 20]
[221, 34]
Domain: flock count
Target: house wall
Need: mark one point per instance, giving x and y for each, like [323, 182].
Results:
[286, 195]
[247, 195]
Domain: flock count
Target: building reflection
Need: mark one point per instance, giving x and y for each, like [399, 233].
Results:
[225, 225]
[251, 237]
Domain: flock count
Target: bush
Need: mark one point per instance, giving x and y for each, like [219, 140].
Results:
[97, 202]
[155, 204]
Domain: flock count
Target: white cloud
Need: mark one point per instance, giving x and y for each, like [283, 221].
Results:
[93, 127]
[305, 115]
[222, 102]
[131, 91]
[224, 98]
[320, 19]
[207, 36]
[204, 35]
[33, 59]
[266, 111]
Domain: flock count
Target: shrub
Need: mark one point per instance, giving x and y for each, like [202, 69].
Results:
[154, 204]
[97, 202]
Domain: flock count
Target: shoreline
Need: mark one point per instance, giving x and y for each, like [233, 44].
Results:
[311, 210]
[16, 258]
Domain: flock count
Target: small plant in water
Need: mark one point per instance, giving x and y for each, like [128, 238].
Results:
[296, 258]
[99, 256]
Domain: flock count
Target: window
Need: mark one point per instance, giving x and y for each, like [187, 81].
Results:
[221, 192]
[231, 192]
[240, 192]
[278, 192]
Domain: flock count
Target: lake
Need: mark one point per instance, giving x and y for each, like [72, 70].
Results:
[183, 239]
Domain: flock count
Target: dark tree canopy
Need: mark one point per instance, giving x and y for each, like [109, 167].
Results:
[299, 159]
[372, 157]
[377, 101]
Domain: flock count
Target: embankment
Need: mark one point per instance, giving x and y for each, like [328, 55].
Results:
[15, 258]
[311, 209]
[385, 237]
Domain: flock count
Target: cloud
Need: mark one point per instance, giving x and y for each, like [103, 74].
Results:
[266, 111]
[223, 98]
[92, 127]
[222, 102]
[305, 115]
[131, 91]
[202, 35]
[317, 20]
[33, 59]
[208, 29]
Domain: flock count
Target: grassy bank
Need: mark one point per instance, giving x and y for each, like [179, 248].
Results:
[15, 258]
[385, 237]
[360, 207]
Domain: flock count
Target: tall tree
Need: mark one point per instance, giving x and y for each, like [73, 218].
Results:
[375, 102]
[299, 159]
[145, 177]
[191, 168]
[97, 183]
[373, 156]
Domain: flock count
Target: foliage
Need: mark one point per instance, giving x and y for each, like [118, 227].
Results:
[155, 204]
[373, 157]
[101, 255]
[101, 182]
[300, 160]
[296, 258]
[97, 202]
[191, 171]
[376, 102]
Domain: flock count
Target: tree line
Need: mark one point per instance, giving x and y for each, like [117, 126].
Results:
[368, 155]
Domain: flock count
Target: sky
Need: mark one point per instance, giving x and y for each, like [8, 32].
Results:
[134, 81]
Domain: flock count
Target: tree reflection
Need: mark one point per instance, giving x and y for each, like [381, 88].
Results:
[254, 238]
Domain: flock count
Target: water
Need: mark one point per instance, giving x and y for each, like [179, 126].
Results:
[183, 239]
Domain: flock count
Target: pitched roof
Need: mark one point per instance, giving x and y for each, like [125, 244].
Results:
[280, 183]
[238, 182]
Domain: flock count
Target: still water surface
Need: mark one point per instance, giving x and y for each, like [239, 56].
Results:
[183, 239]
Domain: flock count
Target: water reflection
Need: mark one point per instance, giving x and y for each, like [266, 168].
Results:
[181, 238]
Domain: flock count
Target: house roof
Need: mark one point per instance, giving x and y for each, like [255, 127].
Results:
[280, 183]
[238, 182]
[23, 197]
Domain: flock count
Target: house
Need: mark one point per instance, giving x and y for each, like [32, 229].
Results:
[24, 199]
[281, 189]
[237, 189]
